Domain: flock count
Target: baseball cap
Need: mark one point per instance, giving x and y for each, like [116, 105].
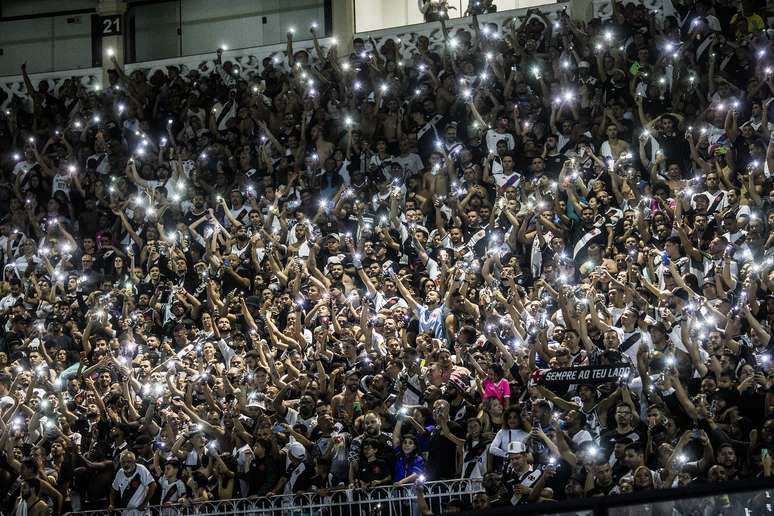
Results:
[297, 450]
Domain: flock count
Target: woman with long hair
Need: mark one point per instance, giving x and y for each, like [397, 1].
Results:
[409, 463]
[513, 430]
[492, 417]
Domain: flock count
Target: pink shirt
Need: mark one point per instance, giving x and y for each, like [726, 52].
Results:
[499, 390]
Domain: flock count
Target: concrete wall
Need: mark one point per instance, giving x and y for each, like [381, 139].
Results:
[33, 41]
[31, 7]
[207, 25]
[64, 42]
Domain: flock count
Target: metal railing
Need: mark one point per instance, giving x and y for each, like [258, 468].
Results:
[380, 501]
[731, 498]
[753, 496]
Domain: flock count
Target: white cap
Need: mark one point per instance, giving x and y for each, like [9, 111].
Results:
[297, 450]
[516, 447]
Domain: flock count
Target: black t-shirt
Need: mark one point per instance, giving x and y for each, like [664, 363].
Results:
[442, 453]
[190, 217]
[553, 164]
[303, 481]
[578, 232]
[609, 436]
[674, 147]
[563, 471]
[384, 447]
[262, 476]
[374, 470]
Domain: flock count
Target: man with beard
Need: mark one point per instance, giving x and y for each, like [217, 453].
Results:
[197, 210]
[623, 427]
[373, 431]
[670, 140]
[241, 242]
[91, 425]
[716, 196]
[132, 487]
[553, 159]
[335, 274]
[460, 409]
[431, 315]
[345, 406]
[305, 414]
[519, 477]
[585, 233]
[613, 147]
[454, 240]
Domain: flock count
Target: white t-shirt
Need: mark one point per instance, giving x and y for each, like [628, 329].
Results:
[62, 183]
[103, 166]
[141, 475]
[503, 438]
[171, 491]
[501, 177]
[23, 167]
[9, 300]
[293, 417]
[412, 164]
[631, 352]
[722, 202]
[492, 137]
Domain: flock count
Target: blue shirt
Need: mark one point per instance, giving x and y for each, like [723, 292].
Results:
[406, 466]
[431, 321]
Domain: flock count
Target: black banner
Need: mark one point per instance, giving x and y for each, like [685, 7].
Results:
[583, 375]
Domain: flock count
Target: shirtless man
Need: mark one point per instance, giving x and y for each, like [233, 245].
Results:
[613, 147]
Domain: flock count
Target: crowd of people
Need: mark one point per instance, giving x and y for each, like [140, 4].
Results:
[536, 255]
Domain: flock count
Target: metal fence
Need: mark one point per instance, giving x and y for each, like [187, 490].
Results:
[379, 501]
